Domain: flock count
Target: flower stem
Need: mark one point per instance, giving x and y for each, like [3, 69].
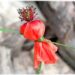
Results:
[39, 69]
[67, 46]
[8, 30]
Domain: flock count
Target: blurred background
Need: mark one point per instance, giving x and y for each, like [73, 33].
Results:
[16, 52]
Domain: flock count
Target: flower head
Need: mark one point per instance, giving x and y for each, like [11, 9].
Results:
[33, 30]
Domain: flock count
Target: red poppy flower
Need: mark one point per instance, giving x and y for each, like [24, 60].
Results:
[44, 52]
[33, 30]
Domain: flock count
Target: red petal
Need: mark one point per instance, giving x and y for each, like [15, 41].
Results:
[34, 30]
[44, 51]
[51, 45]
[50, 53]
[22, 28]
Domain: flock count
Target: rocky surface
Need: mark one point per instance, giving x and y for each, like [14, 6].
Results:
[12, 58]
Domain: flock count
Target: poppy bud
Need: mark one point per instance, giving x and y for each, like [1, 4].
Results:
[33, 30]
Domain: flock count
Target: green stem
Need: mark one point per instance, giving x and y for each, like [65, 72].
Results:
[67, 46]
[8, 30]
[41, 39]
[39, 69]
